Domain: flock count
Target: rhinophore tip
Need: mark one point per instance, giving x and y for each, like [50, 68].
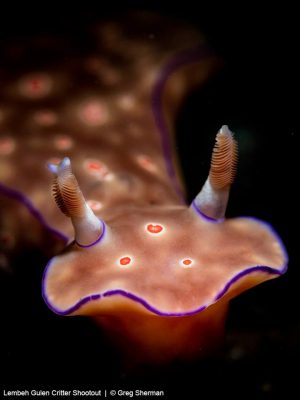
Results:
[213, 197]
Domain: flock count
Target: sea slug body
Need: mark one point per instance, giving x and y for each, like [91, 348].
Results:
[124, 247]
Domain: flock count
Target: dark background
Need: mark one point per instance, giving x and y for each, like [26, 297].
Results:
[255, 94]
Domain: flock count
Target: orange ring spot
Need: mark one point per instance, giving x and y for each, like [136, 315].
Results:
[63, 142]
[125, 260]
[154, 228]
[146, 162]
[93, 113]
[36, 85]
[96, 168]
[7, 145]
[54, 160]
[94, 204]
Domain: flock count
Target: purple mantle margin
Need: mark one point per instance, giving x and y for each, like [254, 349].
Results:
[146, 304]
[16, 195]
[181, 59]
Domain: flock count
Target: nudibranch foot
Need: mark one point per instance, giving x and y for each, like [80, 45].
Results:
[145, 338]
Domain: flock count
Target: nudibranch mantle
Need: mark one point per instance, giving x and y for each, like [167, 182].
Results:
[223, 254]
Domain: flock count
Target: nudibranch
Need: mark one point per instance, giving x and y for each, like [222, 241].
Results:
[159, 277]
[155, 273]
